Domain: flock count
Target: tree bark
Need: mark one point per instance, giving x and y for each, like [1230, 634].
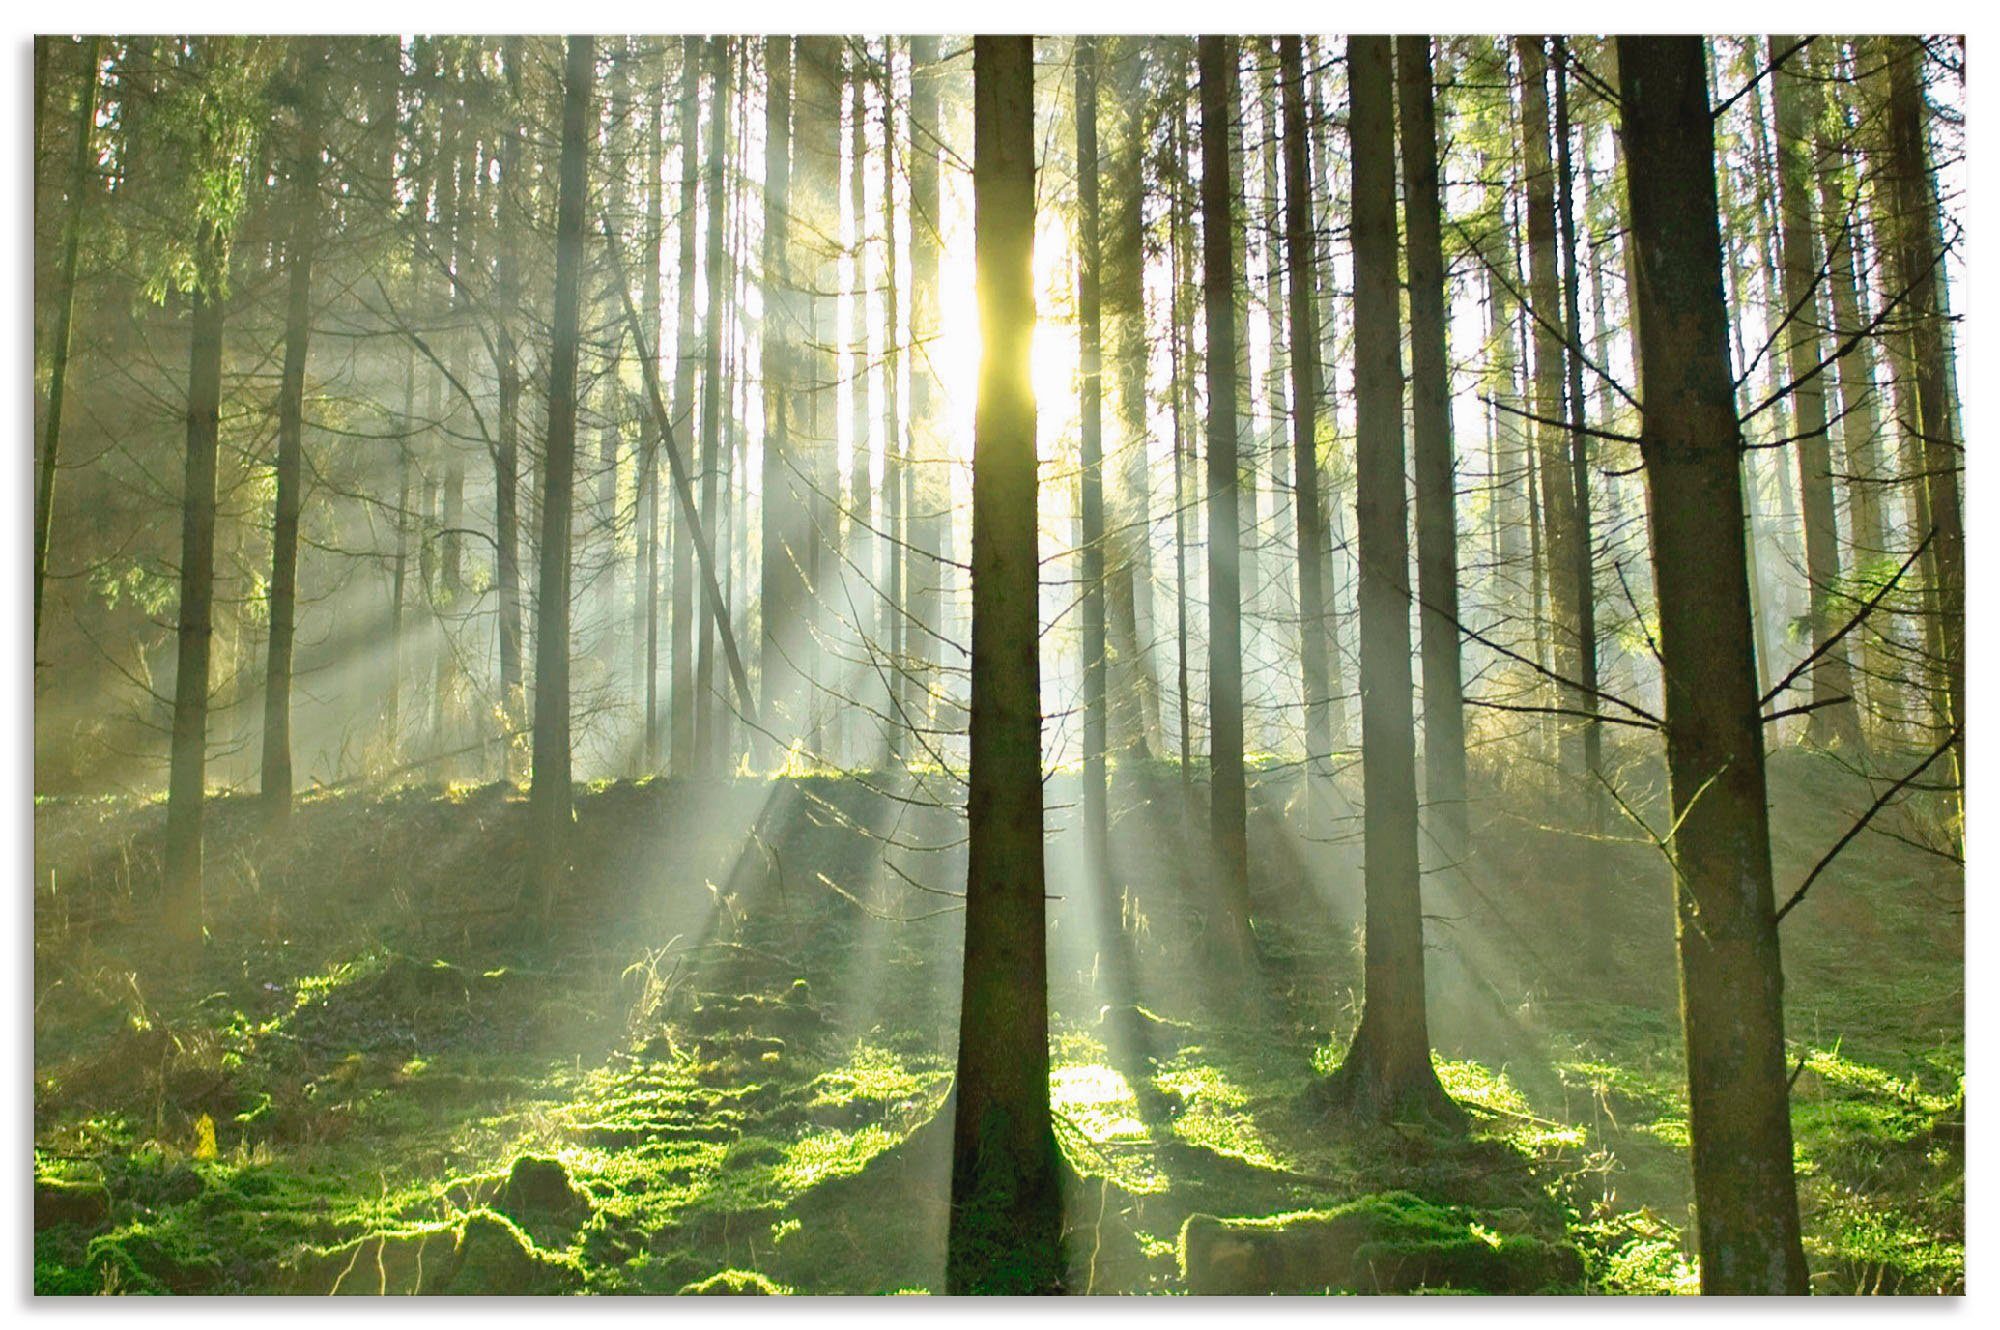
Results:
[1430, 429]
[549, 794]
[181, 867]
[1918, 264]
[1731, 983]
[1835, 719]
[708, 704]
[1006, 1206]
[1096, 803]
[1301, 255]
[1550, 342]
[682, 694]
[1227, 815]
[277, 763]
[79, 183]
[1387, 1072]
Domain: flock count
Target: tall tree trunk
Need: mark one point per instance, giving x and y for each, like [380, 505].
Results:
[277, 764]
[708, 703]
[1134, 721]
[781, 547]
[1835, 719]
[1577, 477]
[1180, 220]
[1860, 417]
[1919, 262]
[549, 793]
[507, 449]
[1096, 805]
[683, 696]
[1430, 430]
[928, 507]
[1303, 284]
[895, 470]
[815, 238]
[861, 604]
[1387, 1072]
[1227, 815]
[1550, 339]
[1732, 1011]
[181, 869]
[1006, 1205]
[79, 183]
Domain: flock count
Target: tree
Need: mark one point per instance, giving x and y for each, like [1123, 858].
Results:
[79, 180]
[1732, 1011]
[1006, 1207]
[218, 156]
[512, 204]
[1550, 342]
[926, 512]
[1430, 431]
[549, 792]
[1301, 256]
[1096, 815]
[682, 692]
[1227, 815]
[277, 766]
[1918, 261]
[1387, 1072]
[782, 549]
[1834, 719]
[708, 723]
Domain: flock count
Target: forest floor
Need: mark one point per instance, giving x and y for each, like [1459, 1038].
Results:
[721, 1068]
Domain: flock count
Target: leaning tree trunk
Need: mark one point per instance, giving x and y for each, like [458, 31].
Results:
[79, 179]
[1387, 1072]
[549, 792]
[1227, 816]
[277, 765]
[1430, 422]
[1732, 1011]
[1006, 1205]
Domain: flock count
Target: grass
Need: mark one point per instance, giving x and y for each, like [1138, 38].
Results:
[719, 1075]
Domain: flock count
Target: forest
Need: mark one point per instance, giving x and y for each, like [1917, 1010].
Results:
[842, 664]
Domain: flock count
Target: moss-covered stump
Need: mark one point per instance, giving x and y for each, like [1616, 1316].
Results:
[84, 1205]
[493, 1256]
[537, 1186]
[1391, 1243]
[735, 1283]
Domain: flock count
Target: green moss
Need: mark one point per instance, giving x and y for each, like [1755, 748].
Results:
[493, 1256]
[735, 1283]
[1389, 1243]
